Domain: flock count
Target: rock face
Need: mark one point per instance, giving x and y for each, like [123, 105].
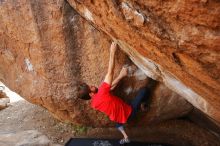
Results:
[44, 60]
[164, 105]
[4, 99]
[176, 43]
[4, 102]
[46, 48]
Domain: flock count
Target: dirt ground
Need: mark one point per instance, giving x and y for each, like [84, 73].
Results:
[22, 115]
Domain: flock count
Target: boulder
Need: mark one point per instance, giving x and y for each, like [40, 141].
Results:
[57, 48]
[177, 43]
[46, 48]
[45, 60]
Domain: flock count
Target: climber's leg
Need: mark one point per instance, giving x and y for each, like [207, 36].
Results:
[120, 127]
[137, 101]
[135, 104]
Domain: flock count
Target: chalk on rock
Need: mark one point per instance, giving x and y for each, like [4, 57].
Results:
[132, 15]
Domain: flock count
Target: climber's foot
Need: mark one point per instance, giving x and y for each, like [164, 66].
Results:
[124, 141]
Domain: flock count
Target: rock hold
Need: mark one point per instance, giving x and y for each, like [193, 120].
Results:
[132, 15]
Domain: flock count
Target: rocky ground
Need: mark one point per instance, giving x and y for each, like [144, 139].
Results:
[22, 115]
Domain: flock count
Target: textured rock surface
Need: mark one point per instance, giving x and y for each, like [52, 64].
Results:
[46, 48]
[34, 59]
[165, 104]
[4, 99]
[44, 60]
[177, 44]
[2, 95]
[4, 102]
[203, 121]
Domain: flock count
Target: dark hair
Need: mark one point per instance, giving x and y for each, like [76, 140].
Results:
[83, 91]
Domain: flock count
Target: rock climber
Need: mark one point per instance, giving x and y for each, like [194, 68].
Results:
[114, 107]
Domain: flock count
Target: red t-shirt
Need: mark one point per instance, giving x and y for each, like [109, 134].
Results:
[111, 105]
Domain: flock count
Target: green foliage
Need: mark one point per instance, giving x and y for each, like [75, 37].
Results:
[79, 129]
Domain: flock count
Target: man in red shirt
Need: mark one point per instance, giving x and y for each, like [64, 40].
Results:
[102, 100]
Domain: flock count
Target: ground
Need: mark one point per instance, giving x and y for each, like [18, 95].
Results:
[23, 115]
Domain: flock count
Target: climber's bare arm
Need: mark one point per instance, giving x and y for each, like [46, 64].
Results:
[122, 74]
[110, 73]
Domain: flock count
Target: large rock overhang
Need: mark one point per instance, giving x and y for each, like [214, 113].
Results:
[164, 39]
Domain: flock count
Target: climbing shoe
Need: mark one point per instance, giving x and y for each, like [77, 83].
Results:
[124, 141]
